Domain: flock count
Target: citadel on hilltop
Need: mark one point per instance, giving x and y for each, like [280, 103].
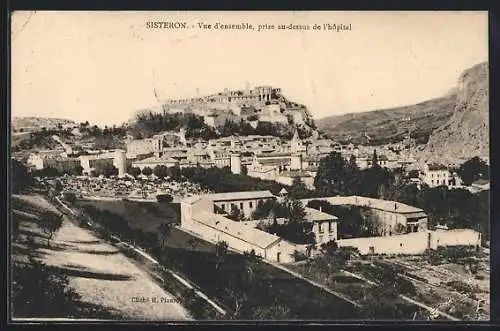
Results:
[258, 94]
[262, 103]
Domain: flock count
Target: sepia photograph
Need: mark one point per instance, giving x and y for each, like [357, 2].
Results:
[184, 166]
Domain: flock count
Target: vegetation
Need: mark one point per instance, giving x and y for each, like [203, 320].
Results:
[146, 171]
[149, 123]
[336, 176]
[388, 125]
[294, 227]
[102, 138]
[351, 221]
[20, 179]
[41, 291]
[455, 208]
[49, 223]
[70, 197]
[134, 171]
[222, 180]
[105, 169]
[473, 170]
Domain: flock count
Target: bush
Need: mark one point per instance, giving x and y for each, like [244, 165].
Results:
[42, 291]
[460, 286]
[299, 256]
[70, 197]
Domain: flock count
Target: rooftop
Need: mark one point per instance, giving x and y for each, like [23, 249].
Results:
[237, 229]
[388, 205]
[155, 159]
[437, 166]
[316, 215]
[295, 173]
[276, 154]
[228, 196]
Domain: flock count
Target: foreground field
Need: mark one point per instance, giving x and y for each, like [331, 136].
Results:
[104, 277]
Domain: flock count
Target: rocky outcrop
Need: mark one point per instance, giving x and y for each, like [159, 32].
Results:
[466, 133]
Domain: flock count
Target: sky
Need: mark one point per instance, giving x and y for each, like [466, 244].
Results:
[104, 66]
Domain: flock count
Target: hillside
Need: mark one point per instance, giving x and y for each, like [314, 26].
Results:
[37, 123]
[390, 125]
[442, 124]
[466, 133]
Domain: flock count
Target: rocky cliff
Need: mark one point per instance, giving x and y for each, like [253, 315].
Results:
[466, 133]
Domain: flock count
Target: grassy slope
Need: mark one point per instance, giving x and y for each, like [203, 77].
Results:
[105, 278]
[387, 125]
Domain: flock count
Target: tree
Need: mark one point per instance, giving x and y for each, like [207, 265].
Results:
[333, 175]
[174, 172]
[297, 212]
[77, 170]
[49, 223]
[399, 228]
[134, 171]
[164, 229]
[106, 169]
[160, 171]
[263, 209]
[58, 186]
[473, 170]
[147, 171]
[330, 248]
[375, 159]
[21, 179]
[236, 214]
[299, 190]
[221, 251]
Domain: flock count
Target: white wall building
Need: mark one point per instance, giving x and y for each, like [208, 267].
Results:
[198, 217]
[435, 175]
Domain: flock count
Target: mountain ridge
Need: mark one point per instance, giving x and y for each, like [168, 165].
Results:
[426, 119]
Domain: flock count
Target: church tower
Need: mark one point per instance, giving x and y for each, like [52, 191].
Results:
[296, 145]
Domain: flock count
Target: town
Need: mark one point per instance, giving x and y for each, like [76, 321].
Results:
[342, 218]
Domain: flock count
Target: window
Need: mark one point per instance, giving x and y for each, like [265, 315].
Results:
[432, 182]
[241, 205]
[330, 228]
[320, 228]
[223, 206]
[250, 204]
